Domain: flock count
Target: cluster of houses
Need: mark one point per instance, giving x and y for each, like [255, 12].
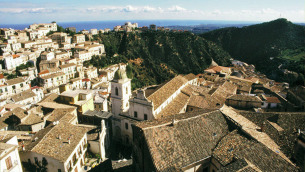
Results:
[225, 119]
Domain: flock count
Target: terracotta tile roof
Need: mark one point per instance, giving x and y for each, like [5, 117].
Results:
[280, 126]
[188, 90]
[199, 101]
[15, 81]
[265, 159]
[44, 72]
[229, 146]
[57, 148]
[32, 119]
[49, 98]
[86, 80]
[23, 95]
[162, 94]
[53, 75]
[67, 65]
[18, 112]
[175, 106]
[273, 100]
[190, 76]
[57, 114]
[15, 56]
[241, 97]
[1, 76]
[190, 139]
[222, 92]
[218, 69]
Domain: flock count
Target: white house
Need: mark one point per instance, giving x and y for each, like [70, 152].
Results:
[47, 55]
[9, 156]
[63, 146]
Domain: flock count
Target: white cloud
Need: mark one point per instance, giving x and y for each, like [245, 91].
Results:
[176, 8]
[25, 10]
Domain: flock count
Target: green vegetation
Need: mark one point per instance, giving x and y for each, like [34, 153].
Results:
[156, 56]
[295, 55]
[267, 46]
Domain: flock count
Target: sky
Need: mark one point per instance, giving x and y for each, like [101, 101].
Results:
[37, 11]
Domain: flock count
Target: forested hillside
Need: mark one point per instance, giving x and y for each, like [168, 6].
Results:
[268, 45]
[156, 56]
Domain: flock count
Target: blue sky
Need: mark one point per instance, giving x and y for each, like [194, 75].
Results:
[33, 11]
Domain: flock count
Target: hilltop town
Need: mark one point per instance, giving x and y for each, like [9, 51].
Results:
[57, 113]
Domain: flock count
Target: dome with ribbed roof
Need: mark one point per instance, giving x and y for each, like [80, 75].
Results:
[120, 74]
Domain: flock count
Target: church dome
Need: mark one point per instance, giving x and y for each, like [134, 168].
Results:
[120, 74]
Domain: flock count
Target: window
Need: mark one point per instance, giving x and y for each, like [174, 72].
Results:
[74, 159]
[8, 162]
[59, 170]
[21, 85]
[145, 116]
[126, 126]
[116, 91]
[135, 114]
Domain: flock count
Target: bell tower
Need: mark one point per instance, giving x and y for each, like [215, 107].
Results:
[120, 92]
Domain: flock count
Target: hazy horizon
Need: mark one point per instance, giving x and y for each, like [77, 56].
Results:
[40, 11]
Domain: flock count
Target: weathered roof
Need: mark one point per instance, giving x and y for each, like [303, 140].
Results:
[23, 95]
[222, 92]
[199, 101]
[273, 100]
[57, 148]
[191, 138]
[100, 114]
[242, 97]
[18, 112]
[67, 65]
[57, 114]
[190, 76]
[54, 105]
[229, 146]
[162, 94]
[14, 81]
[265, 159]
[32, 119]
[175, 106]
[49, 98]
[53, 75]
[290, 122]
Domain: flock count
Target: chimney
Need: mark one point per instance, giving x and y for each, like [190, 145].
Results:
[262, 127]
[174, 122]
[59, 137]
[23, 148]
[69, 140]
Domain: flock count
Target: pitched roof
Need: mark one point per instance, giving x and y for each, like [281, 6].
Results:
[14, 81]
[57, 114]
[57, 148]
[162, 94]
[175, 106]
[23, 95]
[273, 100]
[241, 97]
[265, 159]
[218, 69]
[190, 76]
[229, 146]
[32, 119]
[190, 139]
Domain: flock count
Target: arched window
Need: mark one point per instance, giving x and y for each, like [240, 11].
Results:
[116, 91]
